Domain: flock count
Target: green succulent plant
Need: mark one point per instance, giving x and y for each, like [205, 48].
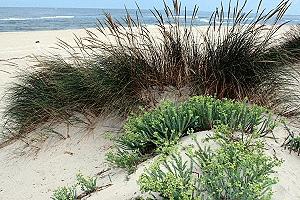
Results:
[235, 170]
[160, 129]
[87, 184]
[64, 193]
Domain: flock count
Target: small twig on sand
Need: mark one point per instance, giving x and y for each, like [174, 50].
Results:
[103, 171]
[81, 196]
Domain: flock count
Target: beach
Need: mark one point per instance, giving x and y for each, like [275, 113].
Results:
[33, 170]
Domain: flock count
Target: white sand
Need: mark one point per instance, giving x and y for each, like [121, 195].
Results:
[27, 174]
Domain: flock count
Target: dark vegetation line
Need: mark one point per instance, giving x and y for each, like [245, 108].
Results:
[235, 58]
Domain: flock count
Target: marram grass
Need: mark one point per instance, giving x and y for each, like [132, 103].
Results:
[111, 69]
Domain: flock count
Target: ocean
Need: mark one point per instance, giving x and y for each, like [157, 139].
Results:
[35, 19]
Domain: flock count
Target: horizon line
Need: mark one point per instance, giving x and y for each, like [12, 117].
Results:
[108, 8]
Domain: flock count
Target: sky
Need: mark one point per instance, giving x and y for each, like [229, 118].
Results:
[205, 5]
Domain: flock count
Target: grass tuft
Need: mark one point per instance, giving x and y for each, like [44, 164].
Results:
[118, 67]
[239, 57]
[58, 90]
[291, 42]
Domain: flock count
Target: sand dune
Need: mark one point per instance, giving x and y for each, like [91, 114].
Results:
[33, 172]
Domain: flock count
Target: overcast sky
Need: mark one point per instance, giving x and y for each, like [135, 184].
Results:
[205, 5]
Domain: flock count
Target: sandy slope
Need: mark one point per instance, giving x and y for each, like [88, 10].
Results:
[288, 187]
[25, 174]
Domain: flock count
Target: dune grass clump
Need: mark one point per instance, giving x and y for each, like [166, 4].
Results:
[233, 171]
[58, 90]
[45, 94]
[164, 126]
[117, 67]
[293, 144]
[237, 57]
[291, 42]
[240, 57]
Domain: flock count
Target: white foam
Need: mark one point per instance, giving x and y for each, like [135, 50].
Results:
[58, 17]
[186, 17]
[14, 19]
[204, 20]
[36, 18]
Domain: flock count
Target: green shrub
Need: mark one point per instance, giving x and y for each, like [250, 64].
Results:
[165, 125]
[87, 184]
[64, 193]
[236, 170]
[175, 181]
[161, 126]
[240, 116]
[125, 159]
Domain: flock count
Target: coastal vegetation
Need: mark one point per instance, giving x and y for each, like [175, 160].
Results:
[237, 73]
[158, 130]
[116, 68]
[87, 185]
[236, 170]
[291, 42]
[64, 193]
[293, 144]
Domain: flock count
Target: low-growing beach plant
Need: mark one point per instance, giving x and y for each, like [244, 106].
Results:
[87, 184]
[127, 160]
[235, 170]
[64, 193]
[166, 124]
[240, 116]
[161, 126]
[171, 179]
[159, 130]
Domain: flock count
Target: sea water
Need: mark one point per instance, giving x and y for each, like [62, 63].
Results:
[34, 19]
